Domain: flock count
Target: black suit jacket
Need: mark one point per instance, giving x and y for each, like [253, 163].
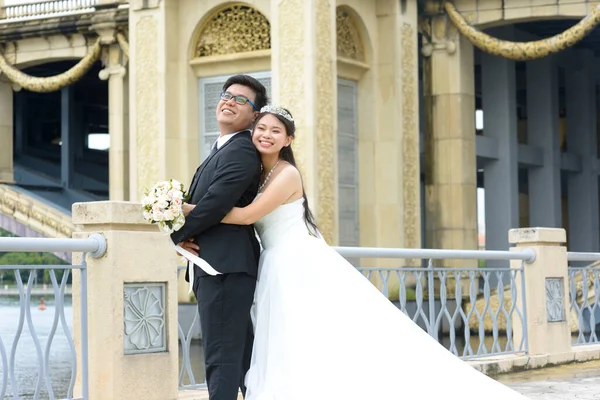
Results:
[228, 178]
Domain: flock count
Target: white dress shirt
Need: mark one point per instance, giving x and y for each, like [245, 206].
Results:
[221, 140]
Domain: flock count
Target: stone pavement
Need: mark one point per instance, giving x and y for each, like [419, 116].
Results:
[199, 394]
[567, 382]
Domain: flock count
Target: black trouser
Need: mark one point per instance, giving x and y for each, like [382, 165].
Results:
[224, 303]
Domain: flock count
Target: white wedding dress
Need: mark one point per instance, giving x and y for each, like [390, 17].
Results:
[324, 332]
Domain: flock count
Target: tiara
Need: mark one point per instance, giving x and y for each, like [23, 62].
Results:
[277, 110]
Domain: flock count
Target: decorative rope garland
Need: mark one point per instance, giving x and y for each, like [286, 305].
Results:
[57, 82]
[522, 51]
[123, 43]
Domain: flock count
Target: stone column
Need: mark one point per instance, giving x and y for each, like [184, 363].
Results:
[546, 290]
[132, 306]
[451, 180]
[499, 99]
[304, 79]
[581, 110]
[117, 124]
[6, 132]
[396, 174]
[156, 142]
[68, 138]
[542, 131]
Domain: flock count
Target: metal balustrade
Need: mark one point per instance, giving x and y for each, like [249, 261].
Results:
[584, 297]
[471, 311]
[10, 385]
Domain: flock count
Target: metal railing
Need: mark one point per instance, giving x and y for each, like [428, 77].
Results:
[584, 298]
[471, 311]
[40, 355]
[187, 377]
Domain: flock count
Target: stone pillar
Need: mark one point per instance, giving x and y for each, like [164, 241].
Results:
[304, 79]
[581, 110]
[546, 290]
[132, 306]
[155, 138]
[542, 131]
[68, 137]
[6, 132]
[500, 176]
[450, 157]
[117, 124]
[396, 174]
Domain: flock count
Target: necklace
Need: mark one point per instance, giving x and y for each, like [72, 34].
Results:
[262, 185]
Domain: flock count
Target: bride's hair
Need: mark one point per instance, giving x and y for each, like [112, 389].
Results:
[287, 154]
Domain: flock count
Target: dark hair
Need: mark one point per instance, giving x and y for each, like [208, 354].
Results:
[287, 154]
[258, 88]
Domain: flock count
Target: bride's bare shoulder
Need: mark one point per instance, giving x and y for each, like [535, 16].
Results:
[290, 172]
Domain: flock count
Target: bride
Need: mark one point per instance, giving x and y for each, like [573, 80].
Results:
[322, 330]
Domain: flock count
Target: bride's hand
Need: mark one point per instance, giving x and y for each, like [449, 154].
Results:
[187, 208]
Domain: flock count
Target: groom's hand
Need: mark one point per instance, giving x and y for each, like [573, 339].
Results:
[190, 246]
[187, 208]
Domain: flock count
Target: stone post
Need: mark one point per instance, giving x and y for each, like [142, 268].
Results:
[546, 290]
[132, 306]
[6, 131]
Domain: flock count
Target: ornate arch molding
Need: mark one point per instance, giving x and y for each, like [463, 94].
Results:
[523, 51]
[350, 44]
[233, 38]
[237, 28]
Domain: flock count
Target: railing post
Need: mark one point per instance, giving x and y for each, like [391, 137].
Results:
[546, 291]
[131, 304]
[431, 299]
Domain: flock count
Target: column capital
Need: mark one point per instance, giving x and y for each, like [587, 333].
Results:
[115, 70]
[438, 34]
[105, 25]
[114, 60]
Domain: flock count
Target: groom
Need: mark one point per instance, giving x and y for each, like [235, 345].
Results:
[228, 178]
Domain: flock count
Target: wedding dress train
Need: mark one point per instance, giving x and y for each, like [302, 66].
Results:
[324, 332]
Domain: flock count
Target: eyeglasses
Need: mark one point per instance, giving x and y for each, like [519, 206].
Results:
[241, 100]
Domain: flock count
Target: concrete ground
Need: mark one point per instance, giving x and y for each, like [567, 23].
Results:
[567, 382]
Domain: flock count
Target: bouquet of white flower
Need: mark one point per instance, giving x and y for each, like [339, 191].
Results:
[163, 205]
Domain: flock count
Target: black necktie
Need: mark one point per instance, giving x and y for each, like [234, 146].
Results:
[214, 148]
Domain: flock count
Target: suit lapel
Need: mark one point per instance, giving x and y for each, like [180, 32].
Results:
[210, 157]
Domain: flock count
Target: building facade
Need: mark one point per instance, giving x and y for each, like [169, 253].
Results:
[403, 109]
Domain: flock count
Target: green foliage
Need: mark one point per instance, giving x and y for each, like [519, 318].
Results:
[30, 259]
[4, 233]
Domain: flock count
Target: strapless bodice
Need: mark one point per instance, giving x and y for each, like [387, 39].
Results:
[284, 223]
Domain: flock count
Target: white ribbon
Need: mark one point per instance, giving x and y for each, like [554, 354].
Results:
[192, 259]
